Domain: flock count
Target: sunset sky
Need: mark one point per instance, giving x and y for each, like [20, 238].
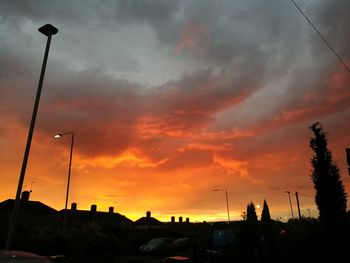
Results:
[169, 100]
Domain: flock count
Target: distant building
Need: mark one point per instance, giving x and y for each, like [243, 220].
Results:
[36, 208]
[27, 206]
[93, 215]
[148, 222]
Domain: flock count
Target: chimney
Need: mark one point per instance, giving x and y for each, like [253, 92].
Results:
[93, 208]
[25, 196]
[187, 219]
[148, 214]
[173, 219]
[180, 219]
[111, 210]
[73, 207]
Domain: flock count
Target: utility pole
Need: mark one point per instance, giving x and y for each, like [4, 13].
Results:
[228, 209]
[297, 197]
[290, 202]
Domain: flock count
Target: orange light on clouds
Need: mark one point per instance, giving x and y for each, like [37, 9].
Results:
[170, 107]
[129, 158]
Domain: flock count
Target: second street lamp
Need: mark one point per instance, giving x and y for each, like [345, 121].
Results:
[69, 173]
[228, 210]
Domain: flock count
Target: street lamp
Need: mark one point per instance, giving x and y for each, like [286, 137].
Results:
[228, 210]
[69, 172]
[290, 202]
[48, 30]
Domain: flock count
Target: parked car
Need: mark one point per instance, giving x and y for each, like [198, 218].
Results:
[159, 246]
[224, 239]
[8, 256]
[184, 243]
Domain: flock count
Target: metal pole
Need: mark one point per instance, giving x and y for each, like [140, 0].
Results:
[68, 182]
[228, 210]
[290, 202]
[27, 149]
[297, 197]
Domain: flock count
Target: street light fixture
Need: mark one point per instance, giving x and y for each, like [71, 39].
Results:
[69, 173]
[228, 210]
[48, 30]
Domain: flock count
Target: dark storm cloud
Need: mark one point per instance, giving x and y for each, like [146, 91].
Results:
[76, 102]
[332, 18]
[233, 52]
[41, 10]
[156, 12]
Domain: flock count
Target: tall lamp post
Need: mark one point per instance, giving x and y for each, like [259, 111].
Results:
[48, 30]
[228, 210]
[69, 173]
[290, 202]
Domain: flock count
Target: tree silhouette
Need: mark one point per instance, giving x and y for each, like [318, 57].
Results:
[267, 230]
[252, 218]
[330, 196]
[249, 236]
[265, 214]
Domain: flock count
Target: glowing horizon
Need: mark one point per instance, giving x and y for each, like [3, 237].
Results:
[171, 102]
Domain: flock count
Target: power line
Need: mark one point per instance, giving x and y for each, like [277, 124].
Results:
[306, 196]
[321, 36]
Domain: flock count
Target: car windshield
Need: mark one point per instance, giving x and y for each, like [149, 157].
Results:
[156, 241]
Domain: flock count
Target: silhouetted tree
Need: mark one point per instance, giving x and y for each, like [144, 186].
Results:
[249, 236]
[330, 195]
[267, 229]
[252, 218]
[265, 214]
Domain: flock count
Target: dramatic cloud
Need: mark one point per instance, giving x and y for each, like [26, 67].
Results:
[171, 99]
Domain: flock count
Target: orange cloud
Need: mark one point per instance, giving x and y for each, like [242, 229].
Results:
[130, 158]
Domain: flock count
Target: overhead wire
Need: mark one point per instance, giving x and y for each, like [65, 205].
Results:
[329, 46]
[321, 36]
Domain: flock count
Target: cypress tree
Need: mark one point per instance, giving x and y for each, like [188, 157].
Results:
[249, 236]
[265, 214]
[251, 214]
[330, 195]
[330, 198]
[267, 229]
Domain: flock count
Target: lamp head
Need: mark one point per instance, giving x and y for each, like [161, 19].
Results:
[58, 135]
[215, 190]
[48, 30]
